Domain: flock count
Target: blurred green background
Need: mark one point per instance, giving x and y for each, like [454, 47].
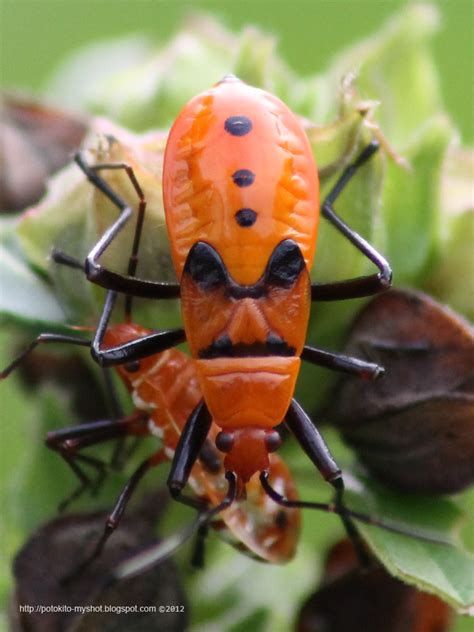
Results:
[36, 34]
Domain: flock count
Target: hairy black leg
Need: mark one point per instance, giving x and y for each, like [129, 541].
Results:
[127, 284]
[362, 286]
[340, 362]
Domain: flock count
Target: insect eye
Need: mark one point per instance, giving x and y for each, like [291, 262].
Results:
[272, 441]
[224, 441]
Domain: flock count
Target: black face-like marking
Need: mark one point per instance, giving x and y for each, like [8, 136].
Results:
[246, 217]
[243, 177]
[238, 125]
[277, 345]
[222, 345]
[285, 264]
[242, 350]
[205, 267]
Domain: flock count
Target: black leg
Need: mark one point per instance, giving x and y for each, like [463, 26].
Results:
[113, 400]
[349, 526]
[337, 507]
[96, 273]
[127, 352]
[118, 457]
[312, 443]
[164, 549]
[135, 349]
[85, 482]
[189, 446]
[58, 256]
[43, 339]
[199, 549]
[66, 437]
[122, 354]
[316, 448]
[115, 516]
[68, 441]
[345, 513]
[133, 259]
[340, 362]
[362, 286]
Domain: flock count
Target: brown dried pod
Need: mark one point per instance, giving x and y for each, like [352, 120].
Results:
[37, 141]
[413, 429]
[369, 601]
[56, 550]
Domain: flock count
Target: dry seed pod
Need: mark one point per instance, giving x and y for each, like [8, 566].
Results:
[53, 553]
[36, 142]
[414, 429]
[369, 601]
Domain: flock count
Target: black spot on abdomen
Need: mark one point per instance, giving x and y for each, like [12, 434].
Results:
[243, 177]
[246, 217]
[238, 125]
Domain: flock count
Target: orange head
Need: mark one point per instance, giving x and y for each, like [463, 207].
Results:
[247, 449]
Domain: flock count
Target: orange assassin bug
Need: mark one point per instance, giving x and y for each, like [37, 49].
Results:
[241, 200]
[165, 390]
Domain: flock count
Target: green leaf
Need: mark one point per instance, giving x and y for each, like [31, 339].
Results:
[24, 296]
[60, 212]
[411, 203]
[450, 276]
[72, 88]
[228, 592]
[395, 66]
[446, 571]
[151, 93]
[400, 211]
[406, 557]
